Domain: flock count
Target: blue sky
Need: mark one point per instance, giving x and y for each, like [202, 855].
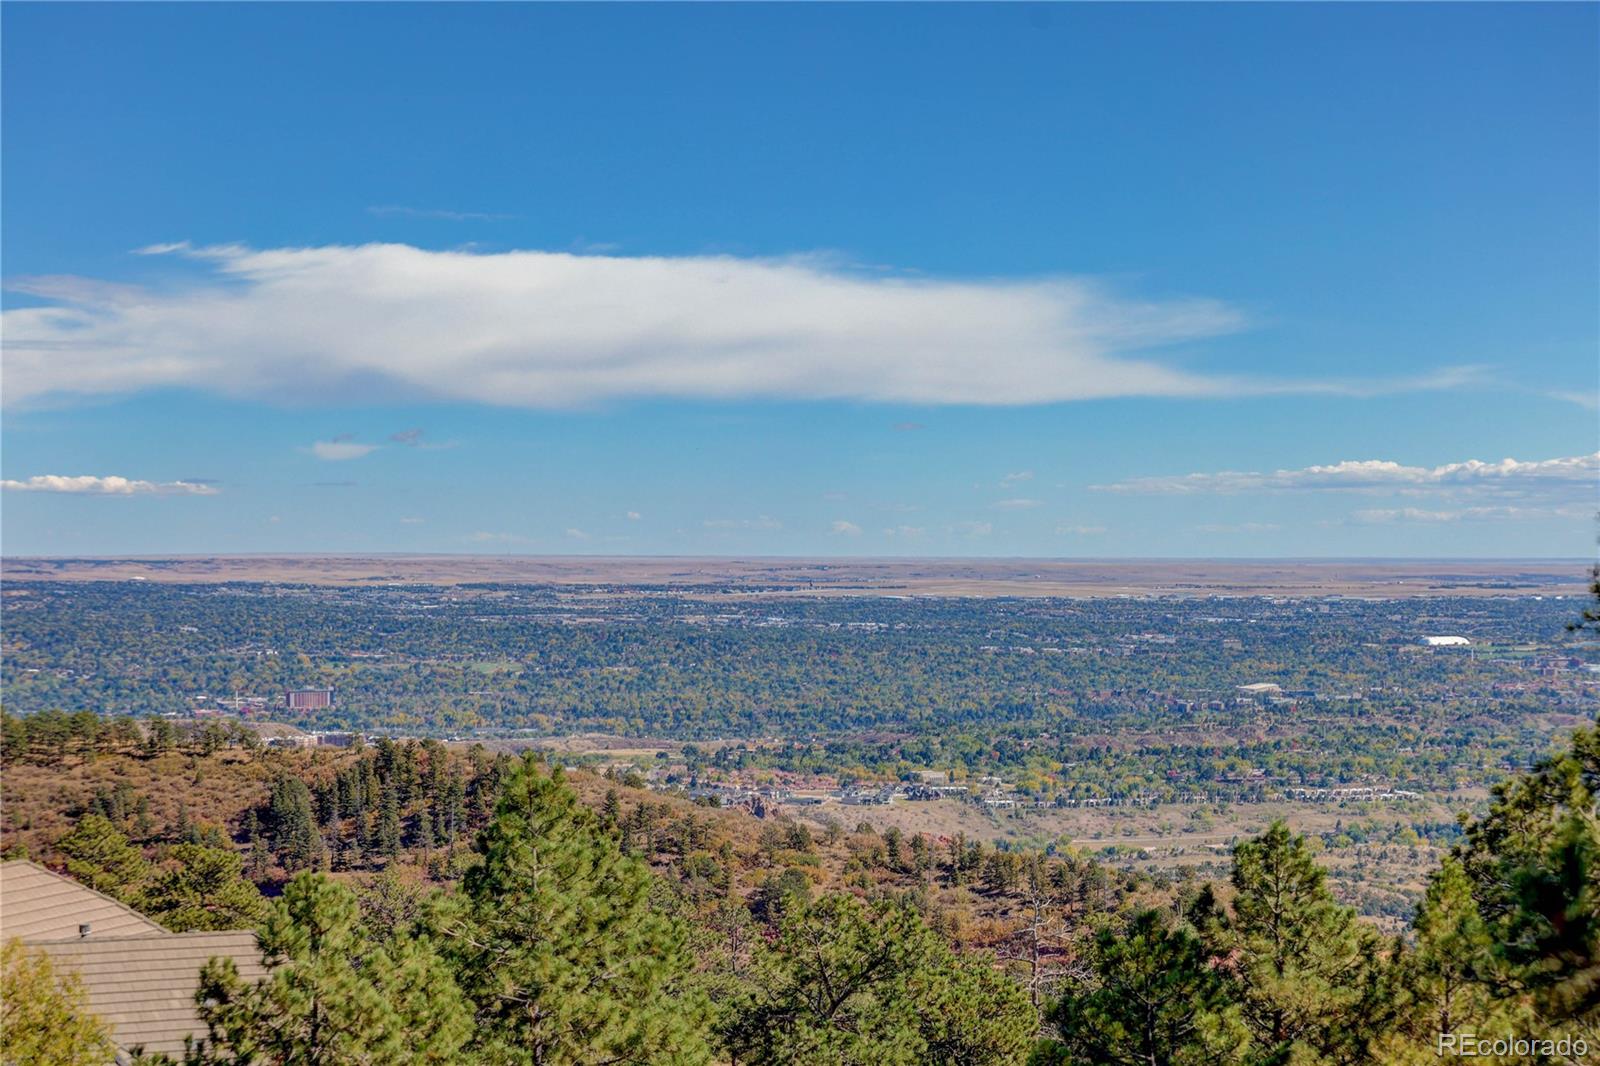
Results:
[1244, 280]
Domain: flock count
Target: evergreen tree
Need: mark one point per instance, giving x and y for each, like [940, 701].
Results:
[260, 855]
[1453, 949]
[1306, 968]
[422, 835]
[971, 1013]
[332, 998]
[1534, 861]
[1440, 983]
[160, 736]
[1153, 997]
[99, 855]
[199, 887]
[292, 825]
[557, 945]
[850, 984]
[388, 827]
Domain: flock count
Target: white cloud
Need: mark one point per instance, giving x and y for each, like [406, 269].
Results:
[1080, 531]
[485, 537]
[1508, 477]
[1389, 515]
[1017, 504]
[410, 521]
[574, 533]
[553, 330]
[86, 485]
[341, 450]
[1021, 475]
[765, 523]
[1588, 400]
[904, 531]
[634, 516]
[845, 529]
[167, 248]
[973, 529]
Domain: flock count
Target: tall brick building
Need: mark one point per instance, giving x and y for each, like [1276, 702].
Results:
[308, 699]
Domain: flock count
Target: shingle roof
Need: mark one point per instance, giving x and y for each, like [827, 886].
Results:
[139, 978]
[143, 986]
[36, 904]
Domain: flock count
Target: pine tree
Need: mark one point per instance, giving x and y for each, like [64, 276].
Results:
[1154, 997]
[1534, 861]
[160, 736]
[1453, 948]
[422, 835]
[852, 984]
[332, 997]
[1306, 967]
[99, 855]
[185, 831]
[260, 854]
[557, 945]
[1440, 982]
[292, 825]
[388, 828]
[199, 887]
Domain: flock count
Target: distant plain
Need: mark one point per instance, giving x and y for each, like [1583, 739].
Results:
[716, 577]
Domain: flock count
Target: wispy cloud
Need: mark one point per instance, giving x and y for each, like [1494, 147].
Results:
[486, 537]
[87, 485]
[412, 520]
[1019, 476]
[1507, 477]
[1080, 531]
[904, 531]
[764, 523]
[439, 214]
[1019, 503]
[633, 516]
[973, 529]
[842, 528]
[1391, 515]
[574, 533]
[1590, 400]
[341, 450]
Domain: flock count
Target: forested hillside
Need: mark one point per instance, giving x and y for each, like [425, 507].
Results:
[571, 933]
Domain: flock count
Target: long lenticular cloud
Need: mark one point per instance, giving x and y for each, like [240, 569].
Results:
[551, 330]
[91, 485]
[1565, 475]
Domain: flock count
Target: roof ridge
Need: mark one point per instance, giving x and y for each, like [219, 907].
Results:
[79, 884]
[163, 937]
